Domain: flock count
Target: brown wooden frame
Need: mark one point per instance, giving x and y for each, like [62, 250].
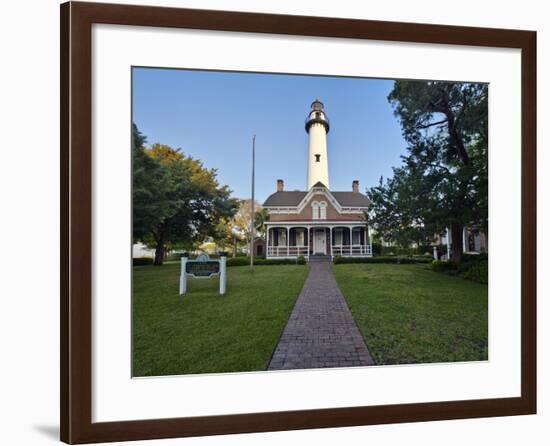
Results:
[76, 221]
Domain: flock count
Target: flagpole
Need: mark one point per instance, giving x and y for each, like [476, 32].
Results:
[252, 228]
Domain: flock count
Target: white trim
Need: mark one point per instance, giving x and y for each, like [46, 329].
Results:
[306, 223]
[313, 191]
[294, 210]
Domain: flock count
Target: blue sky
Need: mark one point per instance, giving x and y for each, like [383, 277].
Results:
[212, 116]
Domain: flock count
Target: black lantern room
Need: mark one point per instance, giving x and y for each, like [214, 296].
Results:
[317, 115]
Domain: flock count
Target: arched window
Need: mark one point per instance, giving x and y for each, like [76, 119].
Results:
[315, 210]
[322, 210]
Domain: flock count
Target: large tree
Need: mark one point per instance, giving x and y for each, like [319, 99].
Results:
[443, 179]
[177, 201]
[240, 224]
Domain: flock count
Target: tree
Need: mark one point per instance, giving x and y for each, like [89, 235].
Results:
[177, 201]
[148, 182]
[241, 223]
[260, 217]
[443, 180]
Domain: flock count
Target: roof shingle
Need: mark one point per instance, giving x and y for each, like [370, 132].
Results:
[293, 198]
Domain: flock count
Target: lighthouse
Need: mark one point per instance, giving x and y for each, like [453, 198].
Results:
[317, 221]
[317, 127]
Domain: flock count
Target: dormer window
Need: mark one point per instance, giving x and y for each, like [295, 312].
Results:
[322, 210]
[319, 210]
[315, 210]
[317, 158]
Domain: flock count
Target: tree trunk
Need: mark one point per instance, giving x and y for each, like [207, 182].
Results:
[456, 242]
[159, 254]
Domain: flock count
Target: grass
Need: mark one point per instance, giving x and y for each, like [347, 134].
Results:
[203, 332]
[410, 314]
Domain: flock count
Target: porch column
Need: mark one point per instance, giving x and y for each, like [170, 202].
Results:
[351, 240]
[307, 232]
[267, 241]
[330, 237]
[464, 240]
[287, 241]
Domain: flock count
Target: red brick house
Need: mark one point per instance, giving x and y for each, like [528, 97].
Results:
[317, 221]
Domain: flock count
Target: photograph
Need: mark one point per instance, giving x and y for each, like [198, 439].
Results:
[270, 223]
[289, 222]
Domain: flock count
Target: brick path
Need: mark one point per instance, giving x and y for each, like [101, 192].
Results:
[320, 331]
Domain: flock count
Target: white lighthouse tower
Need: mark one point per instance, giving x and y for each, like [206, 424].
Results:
[317, 126]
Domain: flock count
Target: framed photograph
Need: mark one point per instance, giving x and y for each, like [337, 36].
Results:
[279, 222]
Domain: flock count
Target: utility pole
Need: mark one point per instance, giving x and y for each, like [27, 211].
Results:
[252, 228]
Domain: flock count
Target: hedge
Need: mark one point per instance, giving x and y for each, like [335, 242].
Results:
[474, 257]
[478, 271]
[473, 267]
[142, 261]
[382, 259]
[260, 261]
[440, 266]
[380, 250]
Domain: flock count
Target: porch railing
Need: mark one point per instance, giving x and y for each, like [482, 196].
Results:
[352, 250]
[337, 250]
[287, 251]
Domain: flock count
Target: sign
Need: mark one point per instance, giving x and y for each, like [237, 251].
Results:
[203, 268]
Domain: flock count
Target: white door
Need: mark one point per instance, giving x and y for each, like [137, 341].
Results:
[319, 242]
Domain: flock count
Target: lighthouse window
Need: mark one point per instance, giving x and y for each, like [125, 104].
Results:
[317, 158]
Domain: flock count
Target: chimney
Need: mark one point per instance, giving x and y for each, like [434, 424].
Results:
[355, 186]
[280, 185]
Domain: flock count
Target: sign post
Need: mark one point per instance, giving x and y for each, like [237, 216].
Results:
[223, 274]
[183, 277]
[203, 268]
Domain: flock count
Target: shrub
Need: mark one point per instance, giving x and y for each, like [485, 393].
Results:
[173, 256]
[277, 262]
[474, 257]
[440, 266]
[142, 261]
[238, 261]
[478, 271]
[376, 248]
[381, 259]
[243, 261]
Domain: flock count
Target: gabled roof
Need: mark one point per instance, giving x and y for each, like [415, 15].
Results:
[294, 198]
[319, 184]
[285, 198]
[351, 199]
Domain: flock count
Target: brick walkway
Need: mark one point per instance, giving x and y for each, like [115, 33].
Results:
[321, 331]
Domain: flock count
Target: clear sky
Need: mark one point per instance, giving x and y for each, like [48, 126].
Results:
[213, 115]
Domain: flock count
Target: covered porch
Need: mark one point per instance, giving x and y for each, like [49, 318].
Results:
[292, 241]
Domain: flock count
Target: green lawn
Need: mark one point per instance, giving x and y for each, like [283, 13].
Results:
[203, 332]
[409, 314]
